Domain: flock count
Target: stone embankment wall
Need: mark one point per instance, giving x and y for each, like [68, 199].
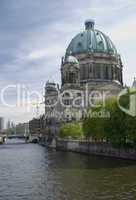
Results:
[102, 149]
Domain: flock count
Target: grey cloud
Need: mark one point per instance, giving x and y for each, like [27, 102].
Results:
[27, 26]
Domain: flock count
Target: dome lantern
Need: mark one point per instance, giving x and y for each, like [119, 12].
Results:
[89, 24]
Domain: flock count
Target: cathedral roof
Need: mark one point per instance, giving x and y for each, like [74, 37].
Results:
[91, 40]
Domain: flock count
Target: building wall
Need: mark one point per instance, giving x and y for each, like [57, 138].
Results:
[37, 126]
[1, 123]
[22, 129]
[101, 149]
[96, 67]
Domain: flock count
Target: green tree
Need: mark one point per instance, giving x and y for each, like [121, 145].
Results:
[73, 130]
[115, 126]
[119, 128]
[93, 125]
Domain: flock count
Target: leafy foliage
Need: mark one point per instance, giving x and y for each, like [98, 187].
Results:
[72, 130]
[93, 125]
[119, 128]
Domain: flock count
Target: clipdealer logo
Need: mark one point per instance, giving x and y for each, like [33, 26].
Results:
[132, 102]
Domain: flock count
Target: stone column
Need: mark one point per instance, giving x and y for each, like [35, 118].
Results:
[110, 72]
[101, 71]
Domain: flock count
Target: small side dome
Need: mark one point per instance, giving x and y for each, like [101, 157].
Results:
[72, 59]
[134, 83]
[116, 81]
[50, 86]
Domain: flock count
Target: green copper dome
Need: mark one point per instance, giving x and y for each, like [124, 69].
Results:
[91, 41]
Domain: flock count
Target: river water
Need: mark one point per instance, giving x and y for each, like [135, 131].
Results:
[31, 172]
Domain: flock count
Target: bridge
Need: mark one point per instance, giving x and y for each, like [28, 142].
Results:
[28, 138]
[4, 137]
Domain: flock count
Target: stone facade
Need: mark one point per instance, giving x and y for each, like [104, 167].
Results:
[91, 63]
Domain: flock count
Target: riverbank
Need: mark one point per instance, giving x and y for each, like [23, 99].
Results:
[101, 149]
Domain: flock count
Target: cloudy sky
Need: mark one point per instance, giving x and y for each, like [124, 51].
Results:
[35, 33]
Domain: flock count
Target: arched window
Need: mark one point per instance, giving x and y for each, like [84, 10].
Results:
[90, 70]
[72, 77]
[79, 94]
[97, 71]
[67, 99]
[67, 77]
[106, 71]
[66, 94]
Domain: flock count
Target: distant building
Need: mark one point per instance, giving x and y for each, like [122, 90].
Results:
[8, 125]
[1, 123]
[37, 126]
[22, 129]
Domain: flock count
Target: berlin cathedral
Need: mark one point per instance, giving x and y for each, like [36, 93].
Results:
[91, 61]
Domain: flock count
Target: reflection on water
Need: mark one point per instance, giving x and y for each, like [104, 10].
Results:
[31, 172]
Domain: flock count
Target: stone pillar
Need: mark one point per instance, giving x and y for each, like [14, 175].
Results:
[92, 65]
[121, 77]
[110, 72]
[101, 71]
[114, 73]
